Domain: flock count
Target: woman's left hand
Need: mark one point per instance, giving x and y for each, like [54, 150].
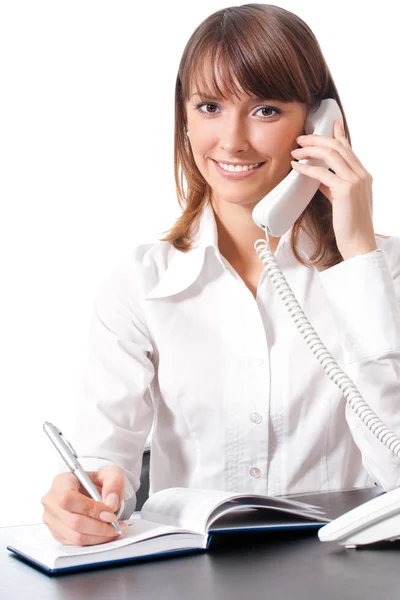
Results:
[349, 188]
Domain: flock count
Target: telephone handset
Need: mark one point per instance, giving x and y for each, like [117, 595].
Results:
[279, 209]
[275, 214]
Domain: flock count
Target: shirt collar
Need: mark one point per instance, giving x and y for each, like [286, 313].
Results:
[185, 267]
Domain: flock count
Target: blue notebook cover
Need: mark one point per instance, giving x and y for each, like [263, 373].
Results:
[89, 566]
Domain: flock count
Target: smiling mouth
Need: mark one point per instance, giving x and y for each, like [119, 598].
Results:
[233, 171]
[239, 164]
[235, 175]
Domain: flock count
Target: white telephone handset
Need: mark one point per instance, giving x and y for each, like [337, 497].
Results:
[378, 519]
[279, 209]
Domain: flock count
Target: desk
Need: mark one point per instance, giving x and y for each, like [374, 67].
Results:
[258, 566]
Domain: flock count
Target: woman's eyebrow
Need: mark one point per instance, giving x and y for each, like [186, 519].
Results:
[214, 98]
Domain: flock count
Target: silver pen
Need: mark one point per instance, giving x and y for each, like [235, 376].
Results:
[70, 458]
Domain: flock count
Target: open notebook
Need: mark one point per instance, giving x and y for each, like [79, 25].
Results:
[174, 520]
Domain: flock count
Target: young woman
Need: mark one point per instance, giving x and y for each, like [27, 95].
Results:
[189, 334]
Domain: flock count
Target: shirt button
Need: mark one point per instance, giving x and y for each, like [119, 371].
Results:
[255, 472]
[255, 417]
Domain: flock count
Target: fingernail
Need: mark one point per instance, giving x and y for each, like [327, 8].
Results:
[112, 500]
[108, 517]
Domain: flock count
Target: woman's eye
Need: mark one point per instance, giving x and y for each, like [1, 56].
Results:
[269, 108]
[199, 106]
[262, 108]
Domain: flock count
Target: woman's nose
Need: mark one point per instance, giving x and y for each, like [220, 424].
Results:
[234, 139]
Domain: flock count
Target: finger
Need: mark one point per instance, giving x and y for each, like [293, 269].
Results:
[53, 525]
[331, 158]
[57, 529]
[83, 524]
[100, 525]
[113, 482]
[73, 501]
[327, 192]
[320, 173]
[66, 481]
[344, 150]
[340, 134]
[65, 534]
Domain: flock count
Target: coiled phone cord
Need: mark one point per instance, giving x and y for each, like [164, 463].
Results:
[334, 372]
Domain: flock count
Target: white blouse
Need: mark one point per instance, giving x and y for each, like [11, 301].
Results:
[236, 399]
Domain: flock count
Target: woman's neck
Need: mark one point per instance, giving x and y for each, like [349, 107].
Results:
[237, 234]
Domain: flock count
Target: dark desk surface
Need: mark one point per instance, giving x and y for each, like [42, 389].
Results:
[236, 567]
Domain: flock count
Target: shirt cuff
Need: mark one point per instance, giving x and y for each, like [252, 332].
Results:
[361, 294]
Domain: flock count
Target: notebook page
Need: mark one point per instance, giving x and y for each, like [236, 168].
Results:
[37, 541]
[280, 503]
[191, 508]
[270, 512]
[184, 507]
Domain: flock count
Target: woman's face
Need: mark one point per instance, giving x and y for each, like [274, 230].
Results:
[243, 131]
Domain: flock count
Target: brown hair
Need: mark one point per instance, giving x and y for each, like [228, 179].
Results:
[273, 54]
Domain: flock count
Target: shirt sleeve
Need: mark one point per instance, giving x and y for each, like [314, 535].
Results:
[364, 294]
[114, 409]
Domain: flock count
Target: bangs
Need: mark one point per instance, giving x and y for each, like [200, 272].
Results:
[222, 71]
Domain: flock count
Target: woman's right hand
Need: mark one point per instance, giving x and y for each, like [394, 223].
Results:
[74, 518]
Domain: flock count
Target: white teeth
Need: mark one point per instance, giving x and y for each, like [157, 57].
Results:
[238, 168]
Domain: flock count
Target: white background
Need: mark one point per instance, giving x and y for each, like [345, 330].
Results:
[86, 154]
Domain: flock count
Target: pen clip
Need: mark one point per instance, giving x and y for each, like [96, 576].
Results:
[67, 443]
